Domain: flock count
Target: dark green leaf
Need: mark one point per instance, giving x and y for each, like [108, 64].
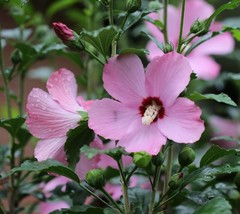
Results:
[84, 209]
[140, 52]
[12, 125]
[100, 39]
[77, 137]
[47, 166]
[215, 206]
[214, 153]
[221, 98]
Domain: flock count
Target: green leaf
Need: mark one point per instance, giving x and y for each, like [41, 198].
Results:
[12, 125]
[215, 206]
[221, 98]
[214, 153]
[84, 209]
[160, 45]
[47, 166]
[77, 137]
[101, 39]
[225, 138]
[140, 52]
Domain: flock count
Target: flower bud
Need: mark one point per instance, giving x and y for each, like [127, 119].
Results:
[199, 26]
[158, 159]
[167, 48]
[95, 178]
[155, 5]
[16, 56]
[133, 5]
[69, 37]
[115, 153]
[186, 156]
[175, 180]
[141, 159]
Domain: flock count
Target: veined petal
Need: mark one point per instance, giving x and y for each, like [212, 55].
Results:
[46, 118]
[204, 66]
[62, 87]
[111, 119]
[146, 138]
[167, 77]
[51, 149]
[124, 78]
[182, 122]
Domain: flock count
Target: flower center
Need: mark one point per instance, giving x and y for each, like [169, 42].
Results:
[151, 109]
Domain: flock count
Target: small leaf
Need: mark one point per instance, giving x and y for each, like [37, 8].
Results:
[215, 206]
[12, 125]
[47, 166]
[77, 137]
[100, 39]
[221, 98]
[214, 153]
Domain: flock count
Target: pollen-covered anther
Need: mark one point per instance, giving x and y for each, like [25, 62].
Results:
[150, 114]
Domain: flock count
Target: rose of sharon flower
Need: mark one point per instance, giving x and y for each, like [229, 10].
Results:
[51, 115]
[200, 61]
[63, 32]
[147, 109]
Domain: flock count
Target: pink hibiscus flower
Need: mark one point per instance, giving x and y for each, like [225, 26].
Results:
[147, 109]
[51, 115]
[200, 61]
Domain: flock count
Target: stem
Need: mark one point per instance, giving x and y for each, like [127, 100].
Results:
[131, 173]
[168, 169]
[154, 190]
[21, 93]
[181, 27]
[165, 22]
[111, 199]
[96, 196]
[110, 17]
[124, 188]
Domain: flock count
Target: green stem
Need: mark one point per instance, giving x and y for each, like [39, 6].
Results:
[21, 93]
[181, 27]
[131, 173]
[96, 196]
[110, 17]
[124, 188]
[154, 189]
[111, 199]
[165, 22]
[168, 169]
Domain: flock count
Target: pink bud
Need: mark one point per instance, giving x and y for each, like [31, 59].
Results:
[62, 31]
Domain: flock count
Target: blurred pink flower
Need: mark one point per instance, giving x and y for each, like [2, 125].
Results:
[62, 31]
[147, 109]
[47, 207]
[225, 127]
[200, 61]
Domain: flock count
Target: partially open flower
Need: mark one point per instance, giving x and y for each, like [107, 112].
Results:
[63, 32]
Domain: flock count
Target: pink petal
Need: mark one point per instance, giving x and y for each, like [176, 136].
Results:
[145, 138]
[124, 78]
[86, 104]
[51, 149]
[47, 207]
[204, 66]
[51, 185]
[167, 77]
[154, 50]
[182, 122]
[111, 119]
[195, 10]
[46, 118]
[218, 45]
[62, 87]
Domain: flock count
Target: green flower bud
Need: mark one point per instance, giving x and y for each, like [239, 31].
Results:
[186, 156]
[199, 26]
[96, 178]
[115, 153]
[167, 48]
[133, 5]
[154, 5]
[175, 180]
[141, 159]
[16, 56]
[158, 159]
